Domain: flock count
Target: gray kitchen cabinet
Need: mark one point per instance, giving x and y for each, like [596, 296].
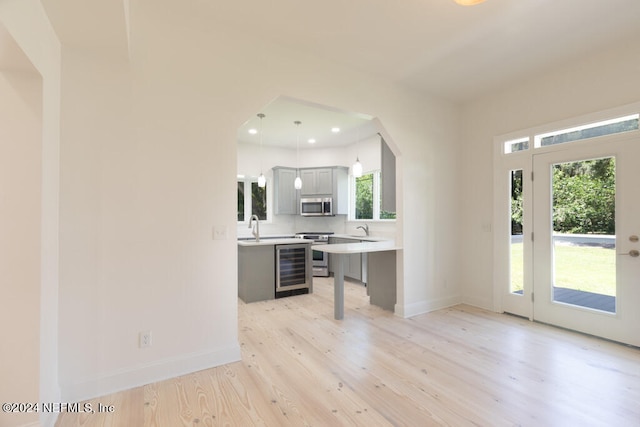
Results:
[285, 195]
[316, 182]
[327, 182]
[381, 286]
[274, 267]
[352, 262]
[388, 178]
[256, 273]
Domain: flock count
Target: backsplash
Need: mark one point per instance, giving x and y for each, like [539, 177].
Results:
[286, 225]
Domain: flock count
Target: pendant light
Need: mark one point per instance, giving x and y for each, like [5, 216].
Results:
[298, 182]
[262, 181]
[468, 2]
[356, 169]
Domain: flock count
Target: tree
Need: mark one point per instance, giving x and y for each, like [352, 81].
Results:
[516, 202]
[584, 197]
[364, 197]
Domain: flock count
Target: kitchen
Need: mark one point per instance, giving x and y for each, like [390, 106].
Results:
[290, 138]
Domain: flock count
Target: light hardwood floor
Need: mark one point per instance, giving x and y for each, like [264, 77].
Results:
[460, 366]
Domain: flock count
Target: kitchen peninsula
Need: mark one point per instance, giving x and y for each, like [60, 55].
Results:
[381, 284]
[274, 268]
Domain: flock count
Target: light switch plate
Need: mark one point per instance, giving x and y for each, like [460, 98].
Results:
[220, 232]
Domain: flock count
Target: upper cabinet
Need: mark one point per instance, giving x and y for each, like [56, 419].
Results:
[285, 195]
[316, 182]
[388, 177]
[327, 182]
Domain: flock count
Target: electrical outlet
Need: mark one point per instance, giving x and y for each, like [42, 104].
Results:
[145, 339]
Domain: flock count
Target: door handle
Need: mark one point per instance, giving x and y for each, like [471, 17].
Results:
[633, 253]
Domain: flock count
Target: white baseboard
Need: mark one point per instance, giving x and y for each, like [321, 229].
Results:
[156, 371]
[484, 303]
[422, 307]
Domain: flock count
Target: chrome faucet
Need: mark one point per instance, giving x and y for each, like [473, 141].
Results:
[256, 228]
[365, 227]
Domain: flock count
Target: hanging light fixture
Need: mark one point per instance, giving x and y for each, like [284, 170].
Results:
[298, 182]
[468, 2]
[356, 169]
[262, 181]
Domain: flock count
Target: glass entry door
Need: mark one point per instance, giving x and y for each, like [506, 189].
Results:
[586, 231]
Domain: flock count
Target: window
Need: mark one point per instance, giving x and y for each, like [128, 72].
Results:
[516, 145]
[252, 200]
[576, 133]
[592, 130]
[366, 198]
[516, 238]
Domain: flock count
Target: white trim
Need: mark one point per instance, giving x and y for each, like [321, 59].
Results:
[524, 160]
[423, 307]
[248, 201]
[128, 378]
[537, 140]
[585, 119]
[484, 303]
[376, 192]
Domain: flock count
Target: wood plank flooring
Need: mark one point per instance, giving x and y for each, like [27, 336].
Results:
[457, 367]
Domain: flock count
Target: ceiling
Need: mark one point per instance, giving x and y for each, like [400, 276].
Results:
[316, 122]
[436, 47]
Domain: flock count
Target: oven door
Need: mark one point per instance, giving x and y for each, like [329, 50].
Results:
[320, 262]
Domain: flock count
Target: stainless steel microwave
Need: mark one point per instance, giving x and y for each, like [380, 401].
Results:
[316, 206]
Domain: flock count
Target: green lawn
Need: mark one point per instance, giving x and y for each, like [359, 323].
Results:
[584, 268]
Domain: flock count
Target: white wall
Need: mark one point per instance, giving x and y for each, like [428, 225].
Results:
[251, 158]
[597, 83]
[20, 201]
[38, 143]
[148, 168]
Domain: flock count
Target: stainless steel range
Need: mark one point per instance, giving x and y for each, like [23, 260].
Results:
[320, 259]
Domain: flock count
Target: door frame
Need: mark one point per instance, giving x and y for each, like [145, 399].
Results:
[503, 300]
[619, 326]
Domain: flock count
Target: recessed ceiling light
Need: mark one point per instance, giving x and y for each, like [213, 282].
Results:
[311, 141]
[335, 130]
[253, 131]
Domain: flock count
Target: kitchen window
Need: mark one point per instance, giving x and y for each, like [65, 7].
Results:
[366, 200]
[252, 200]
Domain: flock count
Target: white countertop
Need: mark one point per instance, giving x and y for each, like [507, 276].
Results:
[356, 248]
[279, 241]
[365, 238]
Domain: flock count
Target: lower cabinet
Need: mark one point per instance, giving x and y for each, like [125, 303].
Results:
[256, 273]
[274, 271]
[381, 286]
